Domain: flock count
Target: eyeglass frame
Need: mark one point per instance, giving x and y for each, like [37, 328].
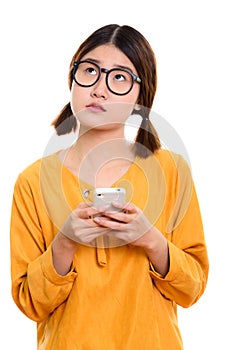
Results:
[107, 71]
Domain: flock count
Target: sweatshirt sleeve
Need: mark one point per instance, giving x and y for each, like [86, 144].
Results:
[36, 287]
[188, 273]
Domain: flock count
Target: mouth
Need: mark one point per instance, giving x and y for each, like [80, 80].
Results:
[96, 108]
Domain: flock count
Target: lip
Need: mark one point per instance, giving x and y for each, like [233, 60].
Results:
[96, 107]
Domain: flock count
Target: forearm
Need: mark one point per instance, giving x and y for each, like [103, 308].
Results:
[187, 276]
[156, 248]
[63, 251]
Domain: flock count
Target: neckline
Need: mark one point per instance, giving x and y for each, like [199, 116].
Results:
[85, 183]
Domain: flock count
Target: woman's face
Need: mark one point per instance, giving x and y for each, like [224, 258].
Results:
[96, 106]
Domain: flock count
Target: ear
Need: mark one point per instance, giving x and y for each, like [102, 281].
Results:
[137, 107]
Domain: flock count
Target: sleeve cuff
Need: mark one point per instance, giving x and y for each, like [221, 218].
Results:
[154, 272]
[174, 268]
[51, 274]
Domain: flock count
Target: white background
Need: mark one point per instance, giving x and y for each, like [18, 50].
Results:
[193, 42]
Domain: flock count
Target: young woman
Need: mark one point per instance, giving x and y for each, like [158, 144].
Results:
[108, 278]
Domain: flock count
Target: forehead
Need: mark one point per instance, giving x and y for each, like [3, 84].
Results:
[109, 56]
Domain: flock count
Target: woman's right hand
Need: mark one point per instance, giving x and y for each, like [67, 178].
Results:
[80, 227]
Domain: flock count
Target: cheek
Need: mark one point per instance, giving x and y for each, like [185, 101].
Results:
[74, 100]
[78, 98]
[134, 96]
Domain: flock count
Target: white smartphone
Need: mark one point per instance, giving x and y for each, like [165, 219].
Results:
[103, 197]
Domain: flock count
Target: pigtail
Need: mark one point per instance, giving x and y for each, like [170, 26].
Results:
[65, 122]
[147, 140]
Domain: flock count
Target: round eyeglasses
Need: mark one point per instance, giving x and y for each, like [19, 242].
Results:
[118, 80]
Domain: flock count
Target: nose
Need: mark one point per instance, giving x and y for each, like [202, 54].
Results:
[100, 89]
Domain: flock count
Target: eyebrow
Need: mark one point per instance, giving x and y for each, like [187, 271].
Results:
[115, 65]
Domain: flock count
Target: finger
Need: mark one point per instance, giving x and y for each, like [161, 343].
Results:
[121, 216]
[126, 207]
[111, 224]
[86, 212]
[83, 205]
[91, 212]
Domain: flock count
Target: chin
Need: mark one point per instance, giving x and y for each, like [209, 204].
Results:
[102, 126]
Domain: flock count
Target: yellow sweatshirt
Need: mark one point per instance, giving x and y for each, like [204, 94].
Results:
[112, 299]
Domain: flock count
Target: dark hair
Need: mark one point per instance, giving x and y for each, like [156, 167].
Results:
[133, 44]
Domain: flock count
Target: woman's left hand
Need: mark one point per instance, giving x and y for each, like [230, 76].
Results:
[131, 226]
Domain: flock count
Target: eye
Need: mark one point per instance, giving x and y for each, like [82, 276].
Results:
[91, 71]
[120, 77]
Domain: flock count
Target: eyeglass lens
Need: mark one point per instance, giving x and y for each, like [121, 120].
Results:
[118, 81]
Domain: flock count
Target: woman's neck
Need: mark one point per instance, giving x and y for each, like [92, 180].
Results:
[90, 139]
[100, 158]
